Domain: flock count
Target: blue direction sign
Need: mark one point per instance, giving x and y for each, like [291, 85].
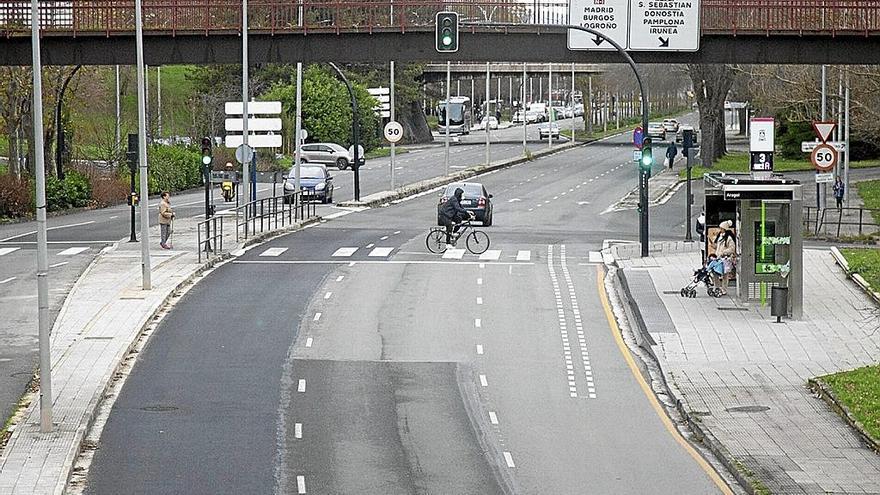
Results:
[638, 137]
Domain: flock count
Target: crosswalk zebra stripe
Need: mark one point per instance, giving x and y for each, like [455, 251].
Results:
[491, 255]
[345, 252]
[381, 251]
[523, 256]
[273, 252]
[72, 251]
[453, 254]
[4, 251]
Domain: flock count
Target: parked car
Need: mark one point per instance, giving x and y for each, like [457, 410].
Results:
[579, 110]
[327, 154]
[656, 130]
[548, 129]
[315, 182]
[679, 138]
[490, 122]
[475, 199]
[518, 117]
[671, 125]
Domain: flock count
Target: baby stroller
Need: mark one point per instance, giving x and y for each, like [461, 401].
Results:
[701, 276]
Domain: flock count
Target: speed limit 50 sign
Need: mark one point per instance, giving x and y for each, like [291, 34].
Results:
[393, 132]
[824, 157]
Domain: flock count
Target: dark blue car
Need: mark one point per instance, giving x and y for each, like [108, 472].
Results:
[315, 183]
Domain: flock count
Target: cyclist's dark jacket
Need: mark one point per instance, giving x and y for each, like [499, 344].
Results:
[452, 209]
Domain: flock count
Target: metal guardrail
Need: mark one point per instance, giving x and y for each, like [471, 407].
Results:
[211, 244]
[173, 17]
[270, 213]
[841, 221]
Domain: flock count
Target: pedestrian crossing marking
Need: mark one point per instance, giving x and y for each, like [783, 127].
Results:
[381, 251]
[523, 256]
[453, 254]
[273, 252]
[72, 251]
[491, 255]
[345, 252]
[595, 257]
[5, 251]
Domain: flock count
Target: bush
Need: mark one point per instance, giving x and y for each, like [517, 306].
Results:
[790, 136]
[108, 190]
[74, 191]
[172, 168]
[16, 197]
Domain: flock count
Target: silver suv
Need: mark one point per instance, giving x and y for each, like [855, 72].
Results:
[327, 154]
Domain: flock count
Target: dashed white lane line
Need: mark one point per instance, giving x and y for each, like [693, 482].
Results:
[381, 251]
[480, 281]
[339, 278]
[368, 246]
[56, 265]
[453, 254]
[327, 295]
[317, 316]
[478, 323]
[493, 418]
[273, 252]
[396, 232]
[479, 300]
[298, 430]
[5, 251]
[491, 255]
[301, 385]
[345, 252]
[309, 342]
[480, 349]
[114, 217]
[523, 256]
[483, 381]
[72, 251]
[10, 279]
[383, 238]
[300, 484]
[509, 459]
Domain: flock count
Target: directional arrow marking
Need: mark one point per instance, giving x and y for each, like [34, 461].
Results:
[597, 40]
[663, 42]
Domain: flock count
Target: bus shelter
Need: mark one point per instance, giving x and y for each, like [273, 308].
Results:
[767, 218]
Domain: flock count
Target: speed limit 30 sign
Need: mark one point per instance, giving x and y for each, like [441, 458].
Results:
[824, 157]
[393, 131]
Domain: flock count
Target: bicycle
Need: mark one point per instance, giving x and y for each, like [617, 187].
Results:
[476, 241]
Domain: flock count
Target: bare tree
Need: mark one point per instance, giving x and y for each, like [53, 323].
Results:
[711, 83]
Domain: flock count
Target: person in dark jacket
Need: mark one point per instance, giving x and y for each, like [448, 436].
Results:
[671, 153]
[450, 213]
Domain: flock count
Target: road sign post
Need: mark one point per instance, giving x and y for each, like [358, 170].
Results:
[824, 158]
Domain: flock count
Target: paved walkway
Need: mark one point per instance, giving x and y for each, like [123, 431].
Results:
[742, 378]
[100, 320]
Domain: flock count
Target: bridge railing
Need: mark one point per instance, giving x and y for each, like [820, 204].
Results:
[107, 17]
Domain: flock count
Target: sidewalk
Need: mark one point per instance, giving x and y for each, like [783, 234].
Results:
[99, 322]
[740, 378]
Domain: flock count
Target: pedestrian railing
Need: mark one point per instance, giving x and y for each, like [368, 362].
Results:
[841, 221]
[271, 213]
[210, 237]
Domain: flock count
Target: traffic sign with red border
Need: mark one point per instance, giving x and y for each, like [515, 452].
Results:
[824, 158]
[824, 130]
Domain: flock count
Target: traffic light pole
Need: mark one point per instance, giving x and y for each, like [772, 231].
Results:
[644, 175]
[355, 134]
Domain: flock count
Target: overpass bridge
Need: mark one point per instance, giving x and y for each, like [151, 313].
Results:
[98, 32]
[435, 72]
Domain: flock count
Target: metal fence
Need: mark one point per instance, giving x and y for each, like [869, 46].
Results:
[837, 222]
[265, 214]
[210, 237]
[172, 17]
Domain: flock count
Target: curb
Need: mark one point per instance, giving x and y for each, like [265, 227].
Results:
[855, 277]
[819, 387]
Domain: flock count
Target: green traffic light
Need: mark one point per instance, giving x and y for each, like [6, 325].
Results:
[206, 159]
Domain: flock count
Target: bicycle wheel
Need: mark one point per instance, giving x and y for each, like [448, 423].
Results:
[477, 242]
[436, 241]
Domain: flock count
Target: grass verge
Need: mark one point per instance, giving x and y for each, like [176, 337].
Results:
[865, 262]
[739, 163]
[869, 191]
[385, 151]
[859, 391]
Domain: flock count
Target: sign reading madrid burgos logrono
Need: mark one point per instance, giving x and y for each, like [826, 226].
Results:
[639, 25]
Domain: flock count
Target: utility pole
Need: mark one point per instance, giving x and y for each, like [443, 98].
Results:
[142, 147]
[550, 105]
[486, 118]
[589, 121]
[846, 140]
[42, 244]
[573, 140]
[118, 111]
[246, 166]
[159, 100]
[297, 153]
[393, 120]
[446, 114]
[824, 116]
[525, 121]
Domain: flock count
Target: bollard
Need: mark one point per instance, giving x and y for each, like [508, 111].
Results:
[779, 303]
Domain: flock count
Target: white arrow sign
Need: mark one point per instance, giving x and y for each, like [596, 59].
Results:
[665, 25]
[254, 140]
[824, 129]
[254, 108]
[610, 18]
[254, 125]
[809, 146]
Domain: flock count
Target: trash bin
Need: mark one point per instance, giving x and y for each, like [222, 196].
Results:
[779, 303]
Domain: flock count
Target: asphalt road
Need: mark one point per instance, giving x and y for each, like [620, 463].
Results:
[382, 368]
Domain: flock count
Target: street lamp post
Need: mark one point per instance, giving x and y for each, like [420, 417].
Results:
[142, 148]
[355, 133]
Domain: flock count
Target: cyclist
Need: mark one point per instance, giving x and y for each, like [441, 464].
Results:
[451, 214]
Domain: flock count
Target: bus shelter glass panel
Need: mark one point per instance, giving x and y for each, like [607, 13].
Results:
[771, 224]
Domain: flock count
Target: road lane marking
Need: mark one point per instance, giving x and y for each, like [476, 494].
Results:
[344, 252]
[301, 484]
[309, 342]
[483, 381]
[381, 252]
[509, 459]
[317, 316]
[478, 322]
[480, 349]
[396, 232]
[523, 255]
[273, 252]
[72, 251]
[479, 300]
[370, 245]
[114, 217]
[493, 418]
[339, 278]
[5, 251]
[453, 254]
[10, 279]
[373, 262]
[56, 265]
[301, 385]
[480, 281]
[482, 265]
[646, 389]
[383, 238]
[327, 295]
[48, 229]
[298, 430]
[491, 255]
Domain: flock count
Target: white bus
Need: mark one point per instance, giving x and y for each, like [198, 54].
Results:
[459, 115]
